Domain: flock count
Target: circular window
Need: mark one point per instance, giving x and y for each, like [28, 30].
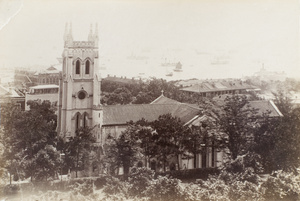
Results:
[81, 95]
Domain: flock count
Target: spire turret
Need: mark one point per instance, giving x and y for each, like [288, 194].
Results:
[91, 37]
[70, 32]
[66, 33]
[96, 38]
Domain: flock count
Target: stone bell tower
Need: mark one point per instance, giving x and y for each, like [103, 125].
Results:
[79, 88]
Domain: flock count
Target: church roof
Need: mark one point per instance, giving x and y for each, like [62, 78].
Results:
[164, 100]
[121, 114]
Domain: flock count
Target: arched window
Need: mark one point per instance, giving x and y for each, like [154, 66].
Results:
[87, 67]
[77, 121]
[85, 120]
[77, 67]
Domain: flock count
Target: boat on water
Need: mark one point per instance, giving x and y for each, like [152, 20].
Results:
[178, 67]
[168, 64]
[170, 74]
[220, 60]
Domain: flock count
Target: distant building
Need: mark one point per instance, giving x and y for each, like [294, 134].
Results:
[42, 92]
[265, 75]
[216, 88]
[25, 78]
[262, 106]
[12, 95]
[49, 76]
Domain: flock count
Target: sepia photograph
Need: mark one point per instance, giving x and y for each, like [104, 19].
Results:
[154, 100]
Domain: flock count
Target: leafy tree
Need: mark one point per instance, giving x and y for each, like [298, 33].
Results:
[120, 96]
[46, 162]
[237, 122]
[9, 112]
[195, 141]
[122, 151]
[168, 138]
[144, 135]
[278, 139]
[28, 132]
[139, 92]
[77, 149]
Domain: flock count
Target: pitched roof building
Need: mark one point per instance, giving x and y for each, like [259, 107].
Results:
[116, 117]
[214, 88]
[12, 95]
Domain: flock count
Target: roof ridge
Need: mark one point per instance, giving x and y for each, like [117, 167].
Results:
[157, 98]
[275, 107]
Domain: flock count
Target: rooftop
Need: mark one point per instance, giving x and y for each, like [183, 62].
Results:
[121, 114]
[9, 92]
[217, 86]
[48, 86]
[265, 106]
[164, 100]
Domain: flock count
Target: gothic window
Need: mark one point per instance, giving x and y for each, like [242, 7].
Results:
[77, 121]
[85, 116]
[77, 67]
[87, 67]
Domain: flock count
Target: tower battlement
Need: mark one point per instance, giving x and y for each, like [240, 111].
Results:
[83, 44]
[92, 41]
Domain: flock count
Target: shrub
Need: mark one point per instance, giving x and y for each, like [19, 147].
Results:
[140, 179]
[212, 189]
[215, 188]
[164, 188]
[84, 188]
[100, 182]
[247, 175]
[114, 186]
[11, 189]
[244, 190]
[282, 186]
[188, 174]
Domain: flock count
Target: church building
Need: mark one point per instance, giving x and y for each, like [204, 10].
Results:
[79, 101]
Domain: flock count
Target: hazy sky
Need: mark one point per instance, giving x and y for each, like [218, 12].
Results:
[251, 32]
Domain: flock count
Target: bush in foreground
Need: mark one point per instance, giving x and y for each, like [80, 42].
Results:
[142, 185]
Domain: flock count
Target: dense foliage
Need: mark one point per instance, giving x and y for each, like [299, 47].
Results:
[77, 149]
[138, 92]
[29, 140]
[162, 139]
[278, 140]
[142, 185]
[237, 121]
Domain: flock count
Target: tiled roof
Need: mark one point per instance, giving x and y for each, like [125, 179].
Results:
[121, 114]
[217, 86]
[264, 106]
[164, 100]
[3, 90]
